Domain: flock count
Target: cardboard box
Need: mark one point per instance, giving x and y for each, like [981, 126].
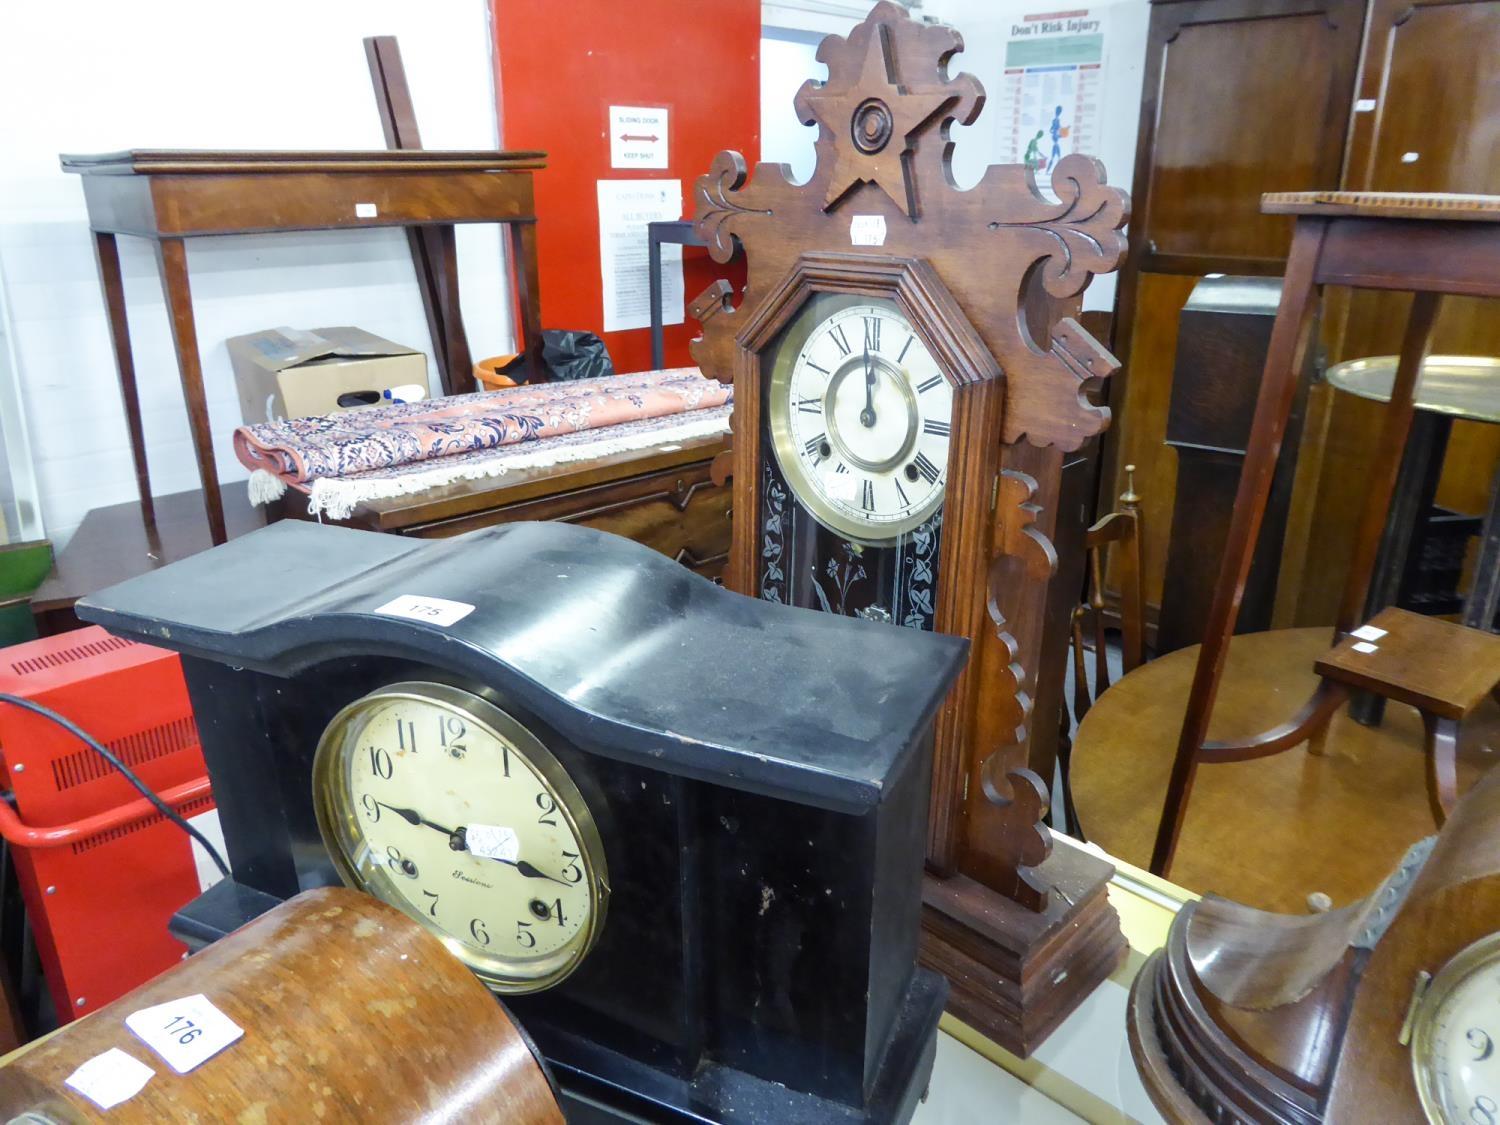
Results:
[292, 373]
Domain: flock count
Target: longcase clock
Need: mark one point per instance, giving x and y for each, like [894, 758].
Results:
[907, 379]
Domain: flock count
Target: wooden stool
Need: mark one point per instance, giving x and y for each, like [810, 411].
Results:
[1441, 669]
[1428, 245]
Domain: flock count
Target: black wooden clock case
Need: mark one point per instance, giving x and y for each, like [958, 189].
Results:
[760, 776]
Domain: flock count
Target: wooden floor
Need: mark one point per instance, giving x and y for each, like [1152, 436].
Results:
[1270, 832]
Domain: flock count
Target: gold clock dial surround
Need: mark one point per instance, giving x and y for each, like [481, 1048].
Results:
[409, 777]
[1440, 1038]
[898, 480]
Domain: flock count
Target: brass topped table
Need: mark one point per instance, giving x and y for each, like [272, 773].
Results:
[1460, 386]
[167, 195]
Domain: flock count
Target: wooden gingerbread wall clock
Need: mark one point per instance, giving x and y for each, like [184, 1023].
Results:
[907, 380]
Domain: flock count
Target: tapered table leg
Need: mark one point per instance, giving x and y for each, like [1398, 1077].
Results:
[1416, 486]
[172, 257]
[107, 254]
[442, 245]
[528, 296]
[1284, 356]
[1380, 485]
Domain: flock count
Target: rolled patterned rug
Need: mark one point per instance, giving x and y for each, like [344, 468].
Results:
[341, 460]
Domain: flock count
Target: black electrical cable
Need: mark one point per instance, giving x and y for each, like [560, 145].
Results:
[145, 790]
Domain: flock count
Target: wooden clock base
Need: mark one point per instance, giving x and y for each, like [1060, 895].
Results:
[1151, 1059]
[1015, 975]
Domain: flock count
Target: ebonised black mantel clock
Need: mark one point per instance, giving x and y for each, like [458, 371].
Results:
[907, 380]
[604, 785]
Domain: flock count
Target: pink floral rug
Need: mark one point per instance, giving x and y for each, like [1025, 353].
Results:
[342, 459]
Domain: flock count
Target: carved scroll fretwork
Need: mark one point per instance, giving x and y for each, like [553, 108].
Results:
[1021, 793]
[1002, 246]
[1079, 235]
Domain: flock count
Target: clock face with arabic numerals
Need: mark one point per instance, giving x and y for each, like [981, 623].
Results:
[1455, 1033]
[441, 804]
[860, 417]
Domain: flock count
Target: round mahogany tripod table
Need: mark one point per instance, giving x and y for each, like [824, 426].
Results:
[1272, 831]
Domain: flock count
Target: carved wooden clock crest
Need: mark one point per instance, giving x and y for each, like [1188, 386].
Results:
[907, 378]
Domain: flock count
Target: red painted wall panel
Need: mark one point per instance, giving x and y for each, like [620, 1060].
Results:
[561, 64]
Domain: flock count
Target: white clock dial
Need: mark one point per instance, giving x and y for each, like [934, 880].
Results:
[861, 420]
[444, 806]
[1456, 1039]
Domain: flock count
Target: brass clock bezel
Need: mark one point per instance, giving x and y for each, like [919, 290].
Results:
[779, 418]
[1458, 969]
[347, 844]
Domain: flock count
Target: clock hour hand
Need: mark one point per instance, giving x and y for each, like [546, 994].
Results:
[867, 415]
[411, 816]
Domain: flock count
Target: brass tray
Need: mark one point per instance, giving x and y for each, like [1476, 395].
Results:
[1462, 386]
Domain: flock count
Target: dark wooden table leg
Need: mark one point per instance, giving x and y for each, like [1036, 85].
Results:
[428, 287]
[171, 254]
[458, 364]
[1484, 596]
[429, 244]
[1381, 482]
[653, 268]
[1416, 488]
[107, 254]
[528, 296]
[1284, 356]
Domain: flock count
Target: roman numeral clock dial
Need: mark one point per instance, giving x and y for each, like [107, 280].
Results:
[861, 419]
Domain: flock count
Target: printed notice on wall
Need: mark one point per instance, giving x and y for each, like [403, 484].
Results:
[1049, 103]
[637, 136]
[625, 207]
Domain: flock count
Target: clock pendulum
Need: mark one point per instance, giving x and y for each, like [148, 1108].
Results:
[601, 783]
[908, 380]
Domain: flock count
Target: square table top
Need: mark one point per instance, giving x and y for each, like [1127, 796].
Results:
[1432, 664]
[1384, 205]
[180, 162]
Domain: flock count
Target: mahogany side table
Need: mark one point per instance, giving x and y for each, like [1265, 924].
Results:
[168, 195]
[1430, 245]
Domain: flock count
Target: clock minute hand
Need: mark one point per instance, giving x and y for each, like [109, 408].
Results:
[532, 873]
[867, 415]
[460, 842]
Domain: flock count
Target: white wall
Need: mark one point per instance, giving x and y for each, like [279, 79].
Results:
[99, 75]
[985, 26]
[790, 34]
[787, 59]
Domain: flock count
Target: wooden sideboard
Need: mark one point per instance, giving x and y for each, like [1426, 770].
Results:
[664, 498]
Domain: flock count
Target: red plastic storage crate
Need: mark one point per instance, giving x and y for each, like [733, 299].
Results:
[100, 870]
